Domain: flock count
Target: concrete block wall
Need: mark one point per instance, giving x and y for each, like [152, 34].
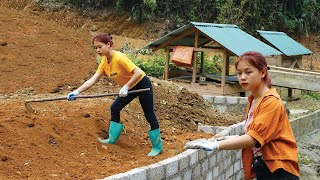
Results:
[306, 124]
[202, 165]
[228, 103]
[193, 164]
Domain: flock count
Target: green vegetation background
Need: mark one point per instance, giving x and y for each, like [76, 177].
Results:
[299, 17]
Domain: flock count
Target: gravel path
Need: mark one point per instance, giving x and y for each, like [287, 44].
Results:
[309, 156]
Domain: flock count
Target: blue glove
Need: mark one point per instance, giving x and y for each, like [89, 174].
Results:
[73, 95]
[124, 91]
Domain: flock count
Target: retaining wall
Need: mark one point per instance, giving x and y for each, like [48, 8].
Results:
[204, 165]
[228, 103]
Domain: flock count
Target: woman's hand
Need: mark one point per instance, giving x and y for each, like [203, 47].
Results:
[73, 95]
[202, 144]
[124, 91]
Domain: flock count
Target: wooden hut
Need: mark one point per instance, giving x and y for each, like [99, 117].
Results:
[292, 51]
[226, 39]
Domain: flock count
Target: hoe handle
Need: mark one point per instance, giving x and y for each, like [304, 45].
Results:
[85, 96]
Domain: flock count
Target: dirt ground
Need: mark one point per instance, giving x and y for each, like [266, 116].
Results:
[41, 58]
[47, 54]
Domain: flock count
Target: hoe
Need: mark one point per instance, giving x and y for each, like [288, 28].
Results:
[30, 109]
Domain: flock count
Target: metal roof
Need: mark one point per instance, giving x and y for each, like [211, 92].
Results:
[284, 43]
[228, 36]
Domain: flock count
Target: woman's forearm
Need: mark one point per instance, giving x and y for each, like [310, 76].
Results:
[86, 85]
[238, 142]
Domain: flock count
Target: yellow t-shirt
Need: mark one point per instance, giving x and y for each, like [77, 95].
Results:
[120, 69]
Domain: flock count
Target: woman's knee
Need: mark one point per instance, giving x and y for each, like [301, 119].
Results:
[115, 108]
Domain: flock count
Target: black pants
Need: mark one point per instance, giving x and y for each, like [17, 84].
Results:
[263, 172]
[146, 102]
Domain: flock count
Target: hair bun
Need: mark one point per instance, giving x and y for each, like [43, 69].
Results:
[109, 34]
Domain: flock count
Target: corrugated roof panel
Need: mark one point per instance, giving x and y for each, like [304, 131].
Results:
[235, 40]
[168, 37]
[227, 35]
[284, 43]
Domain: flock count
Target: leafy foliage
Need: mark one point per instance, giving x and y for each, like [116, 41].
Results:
[153, 65]
[296, 16]
[311, 95]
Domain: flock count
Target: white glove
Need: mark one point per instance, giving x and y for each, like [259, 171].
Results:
[202, 144]
[124, 91]
[73, 95]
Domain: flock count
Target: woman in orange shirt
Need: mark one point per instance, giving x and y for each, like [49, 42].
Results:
[125, 73]
[269, 149]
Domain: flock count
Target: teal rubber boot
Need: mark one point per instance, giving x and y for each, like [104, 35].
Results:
[115, 130]
[156, 142]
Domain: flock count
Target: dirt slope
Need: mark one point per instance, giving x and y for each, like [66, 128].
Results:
[42, 58]
[48, 54]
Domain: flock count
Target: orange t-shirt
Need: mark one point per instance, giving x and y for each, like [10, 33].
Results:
[120, 69]
[271, 128]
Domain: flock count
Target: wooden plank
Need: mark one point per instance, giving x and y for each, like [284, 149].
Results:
[174, 39]
[294, 80]
[206, 50]
[295, 70]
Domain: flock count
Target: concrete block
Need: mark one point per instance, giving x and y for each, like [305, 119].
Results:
[213, 160]
[221, 108]
[138, 174]
[237, 166]
[209, 176]
[206, 129]
[221, 167]
[184, 160]
[208, 98]
[222, 176]
[193, 156]
[201, 154]
[121, 176]
[176, 178]
[229, 172]
[204, 166]
[171, 166]
[187, 175]
[196, 171]
[243, 100]
[215, 172]
[232, 100]
[239, 175]
[156, 171]
[219, 100]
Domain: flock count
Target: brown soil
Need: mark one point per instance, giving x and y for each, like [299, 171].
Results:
[43, 58]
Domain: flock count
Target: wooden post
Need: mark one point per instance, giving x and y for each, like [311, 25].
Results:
[227, 64]
[166, 68]
[194, 71]
[223, 75]
[202, 62]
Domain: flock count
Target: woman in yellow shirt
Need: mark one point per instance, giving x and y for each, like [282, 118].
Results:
[269, 149]
[125, 73]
